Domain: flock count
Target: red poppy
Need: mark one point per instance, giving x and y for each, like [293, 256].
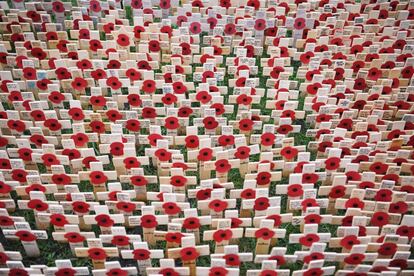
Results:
[203, 96]
[80, 207]
[6, 221]
[127, 207]
[284, 129]
[163, 155]
[295, 190]
[172, 123]
[264, 233]
[248, 194]
[263, 178]
[349, 241]
[149, 86]
[383, 195]
[16, 125]
[149, 221]
[232, 259]
[246, 124]
[354, 203]
[139, 180]
[191, 223]
[58, 220]
[25, 236]
[312, 257]
[79, 83]
[116, 148]
[289, 152]
[171, 208]
[310, 178]
[205, 154]
[97, 178]
[337, 191]
[226, 140]
[189, 254]
[261, 204]
[37, 205]
[309, 239]
[174, 237]
[97, 254]
[313, 218]
[399, 207]
[218, 205]
[387, 249]
[222, 166]
[379, 219]
[131, 162]
[267, 139]
[313, 272]
[242, 152]
[210, 123]
[104, 220]
[76, 114]
[354, 259]
[222, 235]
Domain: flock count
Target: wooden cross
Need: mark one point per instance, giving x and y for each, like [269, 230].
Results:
[27, 237]
[148, 221]
[189, 253]
[142, 255]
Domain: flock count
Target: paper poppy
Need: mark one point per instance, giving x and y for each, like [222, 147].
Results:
[38, 205]
[263, 178]
[25, 236]
[222, 235]
[232, 259]
[379, 219]
[189, 254]
[171, 208]
[79, 83]
[349, 241]
[4, 188]
[6, 221]
[58, 220]
[97, 126]
[195, 28]
[127, 207]
[261, 204]
[61, 179]
[387, 249]
[248, 194]
[174, 237]
[149, 86]
[312, 218]
[313, 257]
[399, 207]
[242, 152]
[205, 154]
[383, 195]
[97, 254]
[289, 152]
[354, 259]
[116, 148]
[222, 166]
[104, 220]
[246, 124]
[337, 191]
[149, 221]
[295, 190]
[218, 205]
[80, 207]
[191, 223]
[309, 239]
[163, 155]
[97, 178]
[226, 140]
[264, 233]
